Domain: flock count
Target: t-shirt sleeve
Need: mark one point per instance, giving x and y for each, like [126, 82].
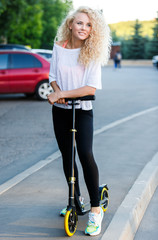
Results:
[93, 78]
[52, 72]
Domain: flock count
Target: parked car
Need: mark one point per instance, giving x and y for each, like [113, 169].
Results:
[24, 72]
[155, 61]
[13, 47]
[44, 53]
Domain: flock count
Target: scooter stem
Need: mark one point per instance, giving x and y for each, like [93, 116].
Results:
[72, 178]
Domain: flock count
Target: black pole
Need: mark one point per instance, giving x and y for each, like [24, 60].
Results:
[72, 178]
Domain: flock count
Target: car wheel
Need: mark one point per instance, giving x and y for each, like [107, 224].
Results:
[43, 88]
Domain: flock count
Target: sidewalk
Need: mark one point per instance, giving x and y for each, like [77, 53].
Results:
[136, 63]
[148, 228]
[130, 213]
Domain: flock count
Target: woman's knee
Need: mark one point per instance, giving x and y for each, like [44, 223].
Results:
[86, 157]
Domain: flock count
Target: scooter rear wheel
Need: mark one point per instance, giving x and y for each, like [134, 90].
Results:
[70, 222]
[105, 197]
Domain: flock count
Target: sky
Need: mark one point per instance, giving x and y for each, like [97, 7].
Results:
[122, 10]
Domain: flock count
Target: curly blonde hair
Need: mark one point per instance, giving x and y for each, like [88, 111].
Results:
[98, 45]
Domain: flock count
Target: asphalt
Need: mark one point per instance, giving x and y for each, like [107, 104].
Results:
[126, 153]
[30, 202]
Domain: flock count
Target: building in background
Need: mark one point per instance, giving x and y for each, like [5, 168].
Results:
[116, 46]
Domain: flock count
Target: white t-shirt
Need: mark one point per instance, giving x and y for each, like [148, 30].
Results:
[69, 74]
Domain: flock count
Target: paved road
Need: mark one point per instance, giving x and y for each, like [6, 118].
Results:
[30, 209]
[26, 134]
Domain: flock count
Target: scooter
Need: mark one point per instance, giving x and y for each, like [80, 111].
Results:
[75, 208]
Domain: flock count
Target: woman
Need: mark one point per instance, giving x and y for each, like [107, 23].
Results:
[82, 45]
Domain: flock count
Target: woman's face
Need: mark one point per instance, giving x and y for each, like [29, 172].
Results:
[81, 26]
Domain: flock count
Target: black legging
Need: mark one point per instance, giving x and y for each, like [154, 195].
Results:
[62, 119]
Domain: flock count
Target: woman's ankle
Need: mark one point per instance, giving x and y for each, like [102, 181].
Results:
[95, 210]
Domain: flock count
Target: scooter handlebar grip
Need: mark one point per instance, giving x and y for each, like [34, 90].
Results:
[84, 98]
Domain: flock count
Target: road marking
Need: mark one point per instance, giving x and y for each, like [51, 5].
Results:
[123, 120]
[23, 175]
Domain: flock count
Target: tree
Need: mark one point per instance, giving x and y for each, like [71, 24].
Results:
[21, 22]
[2, 5]
[125, 45]
[31, 22]
[53, 13]
[136, 47]
[115, 38]
[153, 47]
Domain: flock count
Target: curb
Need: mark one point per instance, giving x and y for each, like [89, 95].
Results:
[130, 213]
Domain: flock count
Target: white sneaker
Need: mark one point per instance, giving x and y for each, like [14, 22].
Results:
[94, 223]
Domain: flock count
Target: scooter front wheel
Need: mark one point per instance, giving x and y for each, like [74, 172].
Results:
[70, 222]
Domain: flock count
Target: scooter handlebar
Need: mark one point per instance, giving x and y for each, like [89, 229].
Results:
[84, 98]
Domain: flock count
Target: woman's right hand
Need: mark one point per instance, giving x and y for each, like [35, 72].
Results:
[55, 97]
[57, 92]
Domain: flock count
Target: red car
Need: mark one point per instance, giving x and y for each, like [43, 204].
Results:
[24, 72]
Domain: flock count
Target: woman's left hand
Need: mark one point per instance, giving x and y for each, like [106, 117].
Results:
[61, 101]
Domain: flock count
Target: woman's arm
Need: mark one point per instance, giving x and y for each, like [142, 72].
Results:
[55, 86]
[56, 89]
[79, 92]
